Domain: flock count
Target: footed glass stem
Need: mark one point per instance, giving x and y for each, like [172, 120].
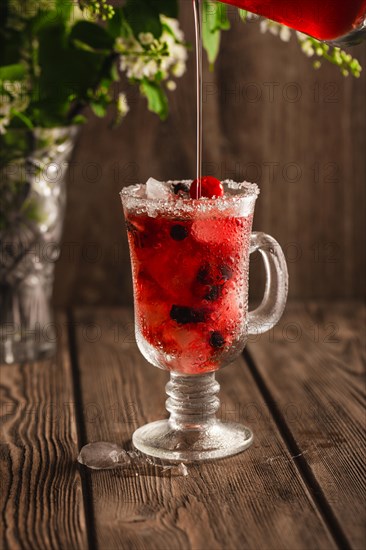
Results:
[192, 432]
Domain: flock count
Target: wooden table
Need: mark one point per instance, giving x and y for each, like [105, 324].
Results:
[300, 486]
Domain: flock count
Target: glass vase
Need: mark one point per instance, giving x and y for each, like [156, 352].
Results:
[33, 190]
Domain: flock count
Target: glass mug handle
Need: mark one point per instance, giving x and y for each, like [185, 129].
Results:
[269, 312]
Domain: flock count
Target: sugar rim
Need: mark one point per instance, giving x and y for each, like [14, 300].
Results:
[249, 190]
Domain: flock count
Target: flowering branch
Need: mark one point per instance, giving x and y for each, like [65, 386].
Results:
[311, 46]
[56, 58]
[98, 8]
[346, 63]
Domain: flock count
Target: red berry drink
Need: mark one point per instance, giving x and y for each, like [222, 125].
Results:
[324, 19]
[190, 273]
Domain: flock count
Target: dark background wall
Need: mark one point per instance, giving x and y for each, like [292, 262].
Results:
[270, 118]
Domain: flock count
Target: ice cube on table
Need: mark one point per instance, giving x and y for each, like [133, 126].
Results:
[103, 455]
[156, 189]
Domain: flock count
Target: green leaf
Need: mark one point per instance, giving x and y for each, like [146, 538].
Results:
[243, 14]
[156, 98]
[65, 8]
[118, 25]
[12, 72]
[219, 20]
[213, 20]
[66, 73]
[166, 7]
[59, 14]
[98, 109]
[66, 70]
[142, 17]
[79, 119]
[94, 37]
[82, 46]
[114, 75]
[26, 120]
[4, 10]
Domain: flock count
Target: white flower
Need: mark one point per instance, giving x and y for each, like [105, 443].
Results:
[276, 29]
[4, 121]
[173, 24]
[150, 69]
[285, 34]
[13, 95]
[128, 46]
[135, 68]
[306, 44]
[20, 10]
[179, 69]
[142, 59]
[251, 15]
[307, 48]
[263, 25]
[301, 36]
[146, 38]
[5, 106]
[171, 85]
[177, 58]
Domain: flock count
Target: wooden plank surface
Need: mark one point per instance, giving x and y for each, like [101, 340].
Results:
[254, 500]
[41, 495]
[313, 365]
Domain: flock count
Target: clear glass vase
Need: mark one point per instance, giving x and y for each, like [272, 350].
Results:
[32, 184]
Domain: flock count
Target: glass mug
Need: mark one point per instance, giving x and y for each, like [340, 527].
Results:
[190, 266]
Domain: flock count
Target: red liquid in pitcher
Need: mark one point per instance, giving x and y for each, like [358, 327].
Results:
[323, 19]
[190, 287]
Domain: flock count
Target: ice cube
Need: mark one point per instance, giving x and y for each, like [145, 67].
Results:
[103, 455]
[156, 189]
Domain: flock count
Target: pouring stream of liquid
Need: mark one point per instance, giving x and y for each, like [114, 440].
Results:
[197, 8]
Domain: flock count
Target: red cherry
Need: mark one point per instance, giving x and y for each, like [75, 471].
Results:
[210, 187]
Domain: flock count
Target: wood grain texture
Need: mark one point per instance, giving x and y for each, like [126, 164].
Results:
[313, 366]
[250, 501]
[41, 494]
[269, 117]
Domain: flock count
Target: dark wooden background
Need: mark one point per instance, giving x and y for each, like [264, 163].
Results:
[270, 118]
